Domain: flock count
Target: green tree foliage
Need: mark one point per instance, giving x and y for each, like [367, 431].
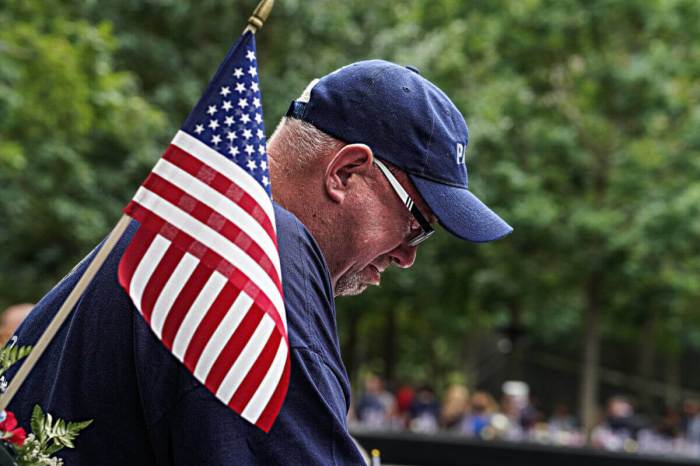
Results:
[584, 125]
[76, 136]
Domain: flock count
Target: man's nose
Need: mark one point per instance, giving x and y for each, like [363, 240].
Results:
[404, 255]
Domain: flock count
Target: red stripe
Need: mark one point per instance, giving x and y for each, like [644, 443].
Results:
[222, 184]
[208, 325]
[238, 278]
[269, 414]
[209, 217]
[183, 302]
[257, 372]
[132, 256]
[159, 278]
[235, 344]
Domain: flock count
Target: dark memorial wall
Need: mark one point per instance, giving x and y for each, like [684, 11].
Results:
[401, 448]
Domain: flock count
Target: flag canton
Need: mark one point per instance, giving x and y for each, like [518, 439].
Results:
[229, 117]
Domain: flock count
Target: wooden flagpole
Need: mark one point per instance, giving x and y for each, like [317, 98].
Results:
[255, 22]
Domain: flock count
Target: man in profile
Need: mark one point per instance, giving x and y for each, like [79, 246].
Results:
[363, 166]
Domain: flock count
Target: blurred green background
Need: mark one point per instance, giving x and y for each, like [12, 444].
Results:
[584, 119]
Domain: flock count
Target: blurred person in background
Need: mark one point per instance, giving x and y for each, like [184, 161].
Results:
[455, 405]
[562, 419]
[482, 407]
[376, 407]
[691, 420]
[618, 429]
[11, 318]
[515, 403]
[424, 411]
[404, 399]
[563, 427]
[665, 436]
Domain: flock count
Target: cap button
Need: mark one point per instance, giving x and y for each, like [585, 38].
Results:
[413, 68]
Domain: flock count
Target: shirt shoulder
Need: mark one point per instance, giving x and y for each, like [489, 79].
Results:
[308, 294]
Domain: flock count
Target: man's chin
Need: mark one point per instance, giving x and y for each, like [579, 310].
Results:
[352, 291]
[350, 285]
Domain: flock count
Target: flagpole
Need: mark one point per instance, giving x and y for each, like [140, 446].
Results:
[259, 16]
[255, 22]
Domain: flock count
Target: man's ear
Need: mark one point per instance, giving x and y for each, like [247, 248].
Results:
[349, 162]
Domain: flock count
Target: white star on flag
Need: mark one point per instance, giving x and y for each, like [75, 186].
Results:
[211, 110]
[233, 150]
[240, 88]
[225, 91]
[231, 135]
[251, 164]
[198, 129]
[216, 139]
[252, 71]
[249, 149]
[247, 133]
[250, 55]
[228, 121]
[213, 124]
[227, 105]
[243, 103]
[245, 118]
[238, 72]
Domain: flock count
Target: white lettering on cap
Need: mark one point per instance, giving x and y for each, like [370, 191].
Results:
[460, 153]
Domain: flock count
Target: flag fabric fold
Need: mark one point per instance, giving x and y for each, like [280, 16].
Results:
[203, 268]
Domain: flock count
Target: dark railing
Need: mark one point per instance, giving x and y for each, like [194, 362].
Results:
[402, 448]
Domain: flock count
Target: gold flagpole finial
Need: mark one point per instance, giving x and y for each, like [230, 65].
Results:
[259, 16]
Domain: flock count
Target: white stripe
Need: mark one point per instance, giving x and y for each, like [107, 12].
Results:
[245, 360]
[226, 167]
[145, 269]
[213, 240]
[196, 313]
[171, 291]
[221, 335]
[267, 387]
[220, 204]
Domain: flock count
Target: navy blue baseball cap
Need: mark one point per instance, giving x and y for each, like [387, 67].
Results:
[407, 121]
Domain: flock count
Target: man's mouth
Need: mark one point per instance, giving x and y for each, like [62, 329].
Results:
[374, 275]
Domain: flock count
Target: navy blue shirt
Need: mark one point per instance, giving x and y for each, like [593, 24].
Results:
[106, 364]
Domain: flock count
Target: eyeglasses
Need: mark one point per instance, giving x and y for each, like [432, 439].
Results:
[425, 229]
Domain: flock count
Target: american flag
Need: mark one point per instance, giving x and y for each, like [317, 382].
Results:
[203, 268]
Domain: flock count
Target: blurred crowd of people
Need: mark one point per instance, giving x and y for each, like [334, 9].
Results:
[515, 417]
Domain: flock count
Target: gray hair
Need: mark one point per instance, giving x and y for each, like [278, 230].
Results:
[300, 143]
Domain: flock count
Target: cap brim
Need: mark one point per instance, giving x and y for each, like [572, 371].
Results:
[460, 212]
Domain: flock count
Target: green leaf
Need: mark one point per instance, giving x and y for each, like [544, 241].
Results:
[10, 355]
[78, 426]
[37, 423]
